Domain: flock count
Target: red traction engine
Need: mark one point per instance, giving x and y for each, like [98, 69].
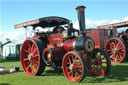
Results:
[68, 48]
[115, 44]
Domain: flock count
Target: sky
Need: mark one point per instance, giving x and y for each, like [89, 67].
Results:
[97, 12]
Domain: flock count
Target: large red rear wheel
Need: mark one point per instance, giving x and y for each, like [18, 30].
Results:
[116, 48]
[99, 64]
[74, 66]
[31, 57]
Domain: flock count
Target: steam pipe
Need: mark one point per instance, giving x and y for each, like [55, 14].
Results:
[81, 19]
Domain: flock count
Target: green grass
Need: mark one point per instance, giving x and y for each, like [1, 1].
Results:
[117, 76]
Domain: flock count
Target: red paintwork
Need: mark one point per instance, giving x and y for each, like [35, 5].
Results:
[77, 67]
[68, 45]
[103, 40]
[116, 49]
[56, 38]
[101, 62]
[60, 47]
[30, 65]
[100, 36]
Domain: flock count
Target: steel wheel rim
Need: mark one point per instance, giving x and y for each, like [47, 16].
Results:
[30, 57]
[72, 67]
[116, 49]
[98, 66]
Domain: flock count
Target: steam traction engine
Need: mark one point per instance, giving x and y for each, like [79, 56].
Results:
[115, 43]
[68, 48]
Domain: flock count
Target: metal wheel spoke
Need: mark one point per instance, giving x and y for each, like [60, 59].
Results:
[113, 44]
[27, 51]
[26, 59]
[117, 56]
[80, 70]
[120, 57]
[36, 61]
[36, 56]
[118, 44]
[77, 74]
[79, 66]
[121, 53]
[28, 62]
[111, 48]
[32, 68]
[115, 59]
[72, 57]
[121, 48]
[112, 55]
[69, 61]
[28, 66]
[29, 46]
[67, 68]
[78, 62]
[74, 60]
[34, 64]
[32, 47]
[71, 72]
[34, 51]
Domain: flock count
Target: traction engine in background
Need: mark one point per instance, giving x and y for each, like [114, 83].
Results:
[113, 38]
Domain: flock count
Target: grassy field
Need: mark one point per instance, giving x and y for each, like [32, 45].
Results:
[117, 76]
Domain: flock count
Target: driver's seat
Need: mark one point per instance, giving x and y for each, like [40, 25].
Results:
[58, 29]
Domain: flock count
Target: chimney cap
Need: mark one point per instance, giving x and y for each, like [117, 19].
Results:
[80, 8]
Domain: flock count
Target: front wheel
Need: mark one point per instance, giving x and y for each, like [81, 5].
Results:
[99, 63]
[74, 66]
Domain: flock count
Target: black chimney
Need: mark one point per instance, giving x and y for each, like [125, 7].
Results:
[81, 19]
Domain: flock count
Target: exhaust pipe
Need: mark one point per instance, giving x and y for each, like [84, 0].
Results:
[81, 20]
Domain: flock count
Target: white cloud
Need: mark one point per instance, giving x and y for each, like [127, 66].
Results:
[91, 23]
[17, 36]
[114, 21]
[125, 19]
[94, 24]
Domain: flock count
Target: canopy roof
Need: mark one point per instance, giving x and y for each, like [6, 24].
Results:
[114, 25]
[44, 22]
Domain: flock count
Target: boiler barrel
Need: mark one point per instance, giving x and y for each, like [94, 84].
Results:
[80, 44]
